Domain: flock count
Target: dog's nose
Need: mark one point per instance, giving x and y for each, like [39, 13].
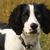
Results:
[34, 26]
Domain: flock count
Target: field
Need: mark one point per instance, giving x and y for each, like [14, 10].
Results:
[7, 6]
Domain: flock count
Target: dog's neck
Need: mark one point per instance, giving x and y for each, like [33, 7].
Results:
[27, 41]
[27, 46]
[29, 38]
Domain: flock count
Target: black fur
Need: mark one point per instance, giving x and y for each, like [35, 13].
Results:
[44, 18]
[16, 20]
[2, 41]
[4, 26]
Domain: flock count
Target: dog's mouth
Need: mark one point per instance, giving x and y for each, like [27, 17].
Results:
[33, 32]
[30, 31]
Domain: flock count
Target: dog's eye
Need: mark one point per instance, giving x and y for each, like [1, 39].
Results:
[25, 16]
[38, 14]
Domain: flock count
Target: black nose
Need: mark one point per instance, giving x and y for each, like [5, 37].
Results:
[34, 26]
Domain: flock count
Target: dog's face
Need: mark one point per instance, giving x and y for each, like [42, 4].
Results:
[28, 18]
[31, 24]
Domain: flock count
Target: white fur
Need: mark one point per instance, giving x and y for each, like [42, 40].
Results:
[12, 41]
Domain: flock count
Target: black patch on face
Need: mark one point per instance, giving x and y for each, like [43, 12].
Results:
[2, 41]
[25, 14]
[43, 16]
[38, 13]
[18, 17]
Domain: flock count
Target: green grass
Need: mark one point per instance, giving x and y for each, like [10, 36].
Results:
[6, 6]
[45, 41]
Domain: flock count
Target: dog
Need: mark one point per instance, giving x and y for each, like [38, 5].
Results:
[26, 23]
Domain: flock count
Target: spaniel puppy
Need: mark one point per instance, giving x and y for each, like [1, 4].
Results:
[26, 23]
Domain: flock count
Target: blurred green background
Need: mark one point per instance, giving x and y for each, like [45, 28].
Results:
[7, 6]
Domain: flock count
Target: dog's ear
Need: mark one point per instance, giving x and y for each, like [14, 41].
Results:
[45, 24]
[15, 20]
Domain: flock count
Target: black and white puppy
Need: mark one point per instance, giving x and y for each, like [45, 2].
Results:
[25, 25]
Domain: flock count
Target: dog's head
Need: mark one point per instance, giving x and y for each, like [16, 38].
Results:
[30, 18]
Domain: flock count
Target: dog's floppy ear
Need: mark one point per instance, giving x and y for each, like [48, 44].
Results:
[15, 20]
[45, 24]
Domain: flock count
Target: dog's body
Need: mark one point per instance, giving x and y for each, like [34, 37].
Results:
[13, 41]
[24, 28]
